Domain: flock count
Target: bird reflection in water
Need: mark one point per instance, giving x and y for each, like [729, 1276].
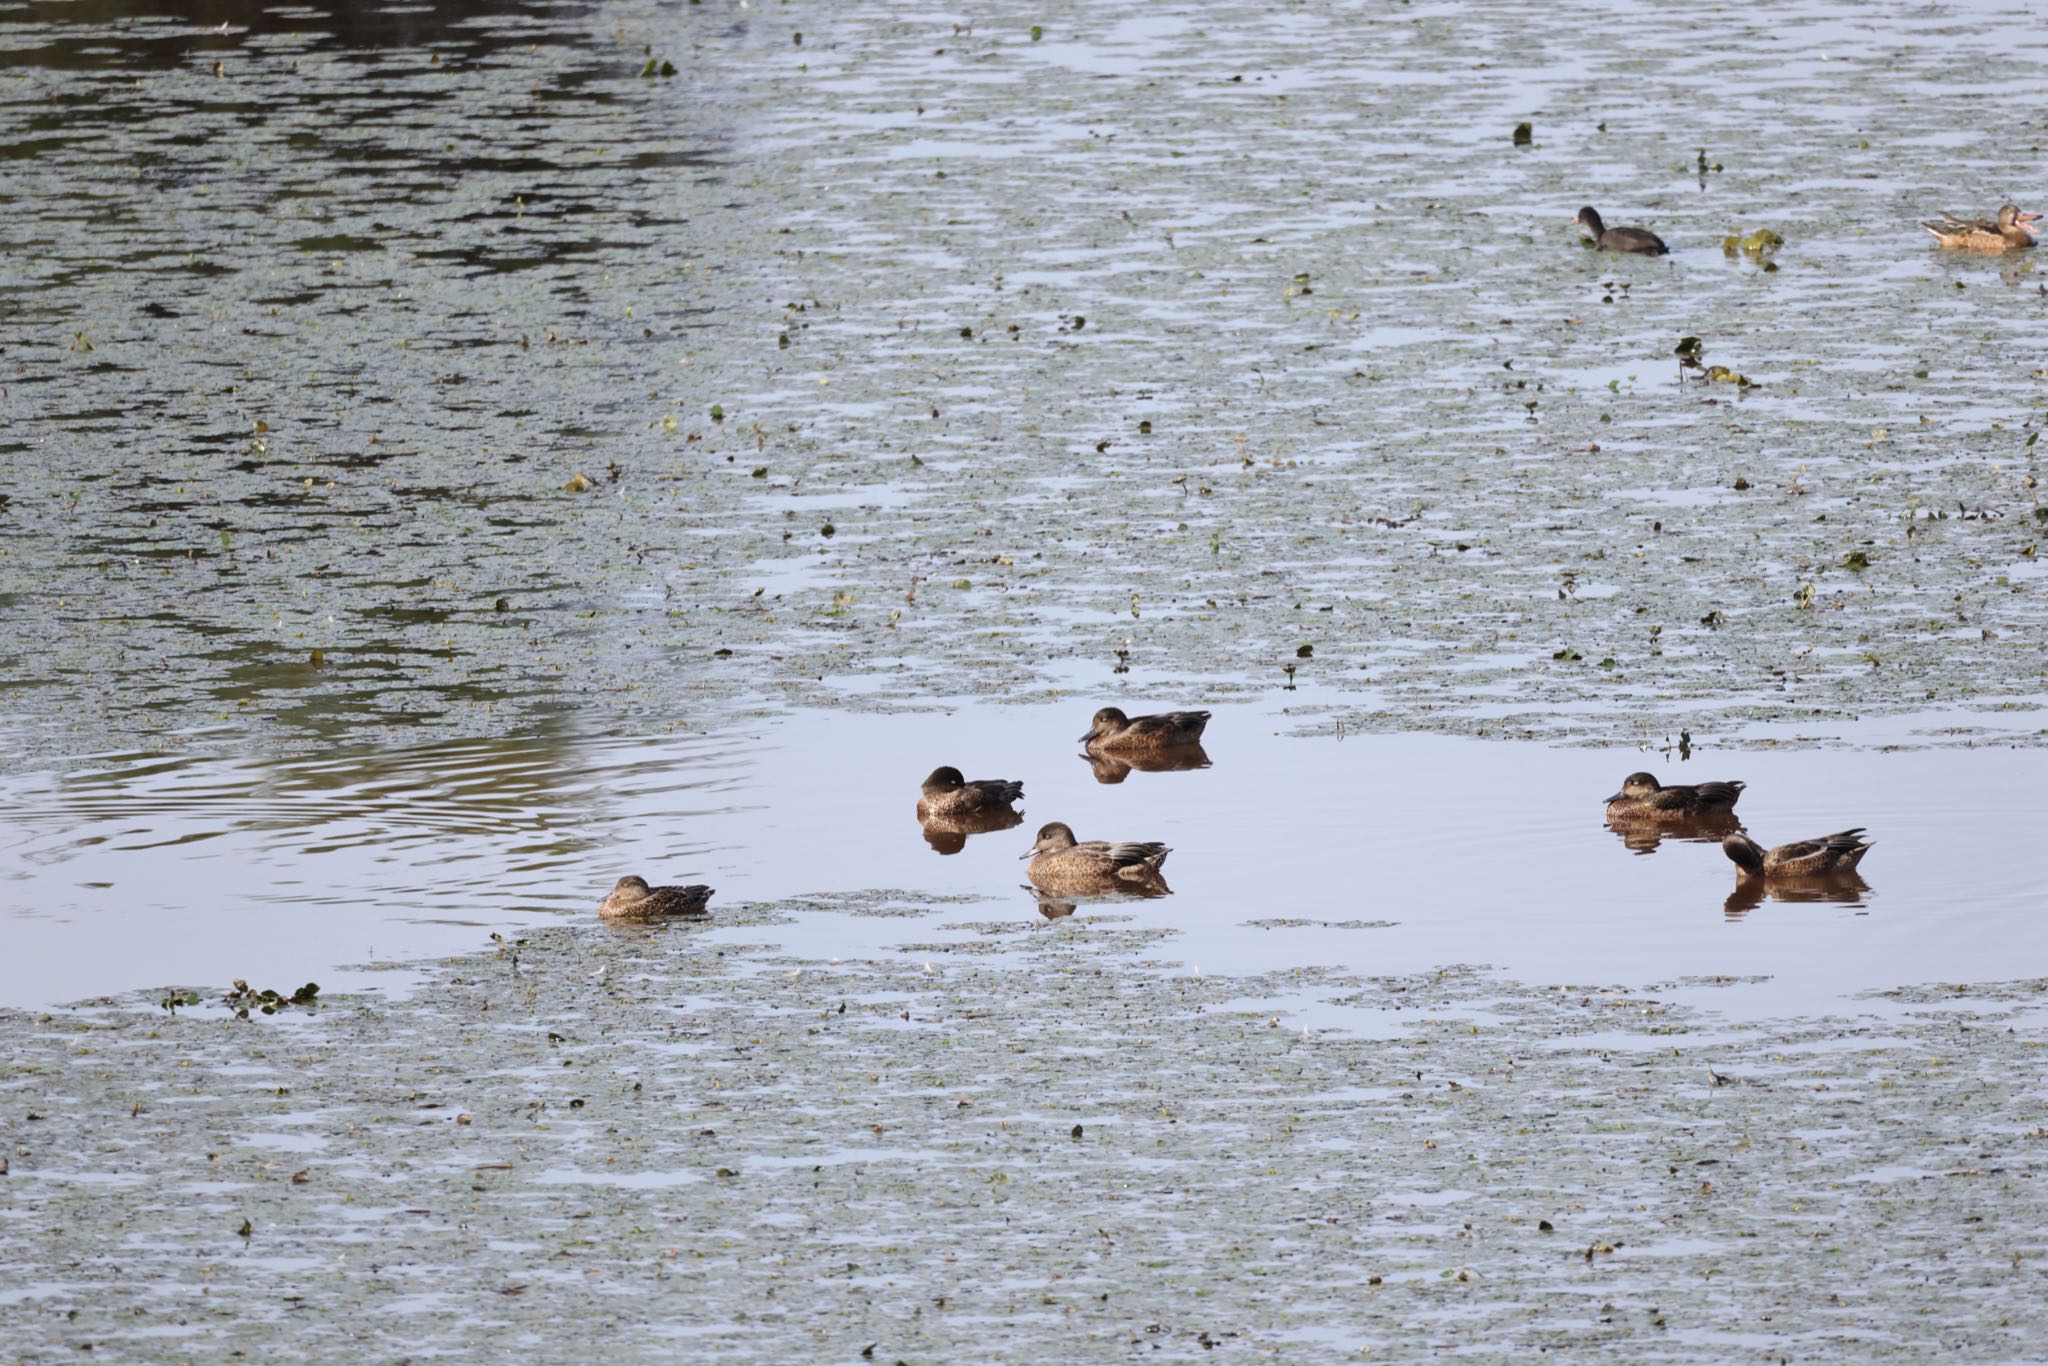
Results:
[1847, 889]
[1114, 768]
[948, 834]
[1058, 906]
[1643, 836]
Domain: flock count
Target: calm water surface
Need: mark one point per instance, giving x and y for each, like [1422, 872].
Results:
[145, 872]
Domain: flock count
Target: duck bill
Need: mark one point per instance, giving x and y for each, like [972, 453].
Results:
[1613, 799]
[1089, 736]
[1028, 852]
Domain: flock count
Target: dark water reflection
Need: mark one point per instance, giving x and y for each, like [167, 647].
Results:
[1114, 768]
[1368, 852]
[1847, 890]
[1645, 837]
[948, 834]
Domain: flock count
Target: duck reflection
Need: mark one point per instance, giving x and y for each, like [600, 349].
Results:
[1060, 905]
[1848, 889]
[1819, 869]
[1114, 768]
[948, 834]
[1643, 836]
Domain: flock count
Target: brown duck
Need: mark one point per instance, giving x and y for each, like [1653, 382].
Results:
[1643, 798]
[1639, 240]
[1062, 864]
[2007, 232]
[1113, 732]
[1833, 855]
[634, 899]
[946, 793]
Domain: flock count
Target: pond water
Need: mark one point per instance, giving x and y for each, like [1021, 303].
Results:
[456, 452]
[386, 376]
[1367, 853]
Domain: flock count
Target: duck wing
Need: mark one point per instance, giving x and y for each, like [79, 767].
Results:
[1821, 854]
[688, 900]
[996, 791]
[1171, 725]
[1131, 853]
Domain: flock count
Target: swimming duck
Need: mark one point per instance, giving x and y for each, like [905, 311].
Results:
[2008, 232]
[1060, 863]
[946, 793]
[1643, 798]
[634, 898]
[1112, 730]
[1640, 240]
[1828, 856]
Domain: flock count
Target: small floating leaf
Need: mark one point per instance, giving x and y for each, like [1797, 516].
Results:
[1305, 652]
[1525, 133]
[1037, 32]
[1856, 559]
[579, 483]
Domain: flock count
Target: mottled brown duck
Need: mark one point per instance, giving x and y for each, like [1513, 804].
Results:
[2007, 232]
[1826, 856]
[1111, 732]
[633, 899]
[1643, 798]
[1062, 864]
[946, 793]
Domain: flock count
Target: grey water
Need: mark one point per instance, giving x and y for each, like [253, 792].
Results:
[1369, 853]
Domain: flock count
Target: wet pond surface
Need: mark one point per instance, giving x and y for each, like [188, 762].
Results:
[427, 373]
[457, 452]
[1366, 853]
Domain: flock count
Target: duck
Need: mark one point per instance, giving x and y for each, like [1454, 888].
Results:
[1643, 798]
[1833, 855]
[1111, 731]
[2007, 232]
[1061, 863]
[1639, 240]
[634, 899]
[946, 793]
